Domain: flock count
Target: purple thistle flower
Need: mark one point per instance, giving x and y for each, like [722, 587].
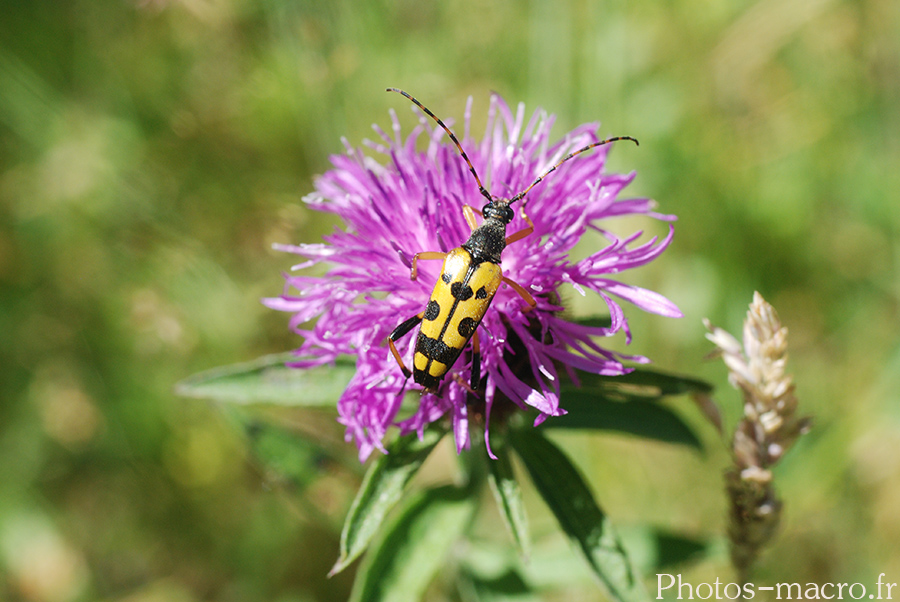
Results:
[414, 203]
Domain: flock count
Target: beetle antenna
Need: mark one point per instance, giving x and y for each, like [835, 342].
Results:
[459, 147]
[521, 195]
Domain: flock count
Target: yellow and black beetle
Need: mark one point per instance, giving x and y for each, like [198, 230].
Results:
[469, 279]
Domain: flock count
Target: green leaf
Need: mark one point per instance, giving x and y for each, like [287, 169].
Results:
[590, 409]
[381, 489]
[269, 380]
[508, 494]
[595, 321]
[412, 549]
[653, 550]
[643, 383]
[674, 549]
[281, 452]
[568, 497]
[626, 403]
[508, 587]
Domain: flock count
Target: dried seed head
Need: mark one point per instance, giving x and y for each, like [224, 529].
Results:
[768, 429]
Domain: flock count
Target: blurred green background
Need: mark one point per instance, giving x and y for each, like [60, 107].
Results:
[152, 151]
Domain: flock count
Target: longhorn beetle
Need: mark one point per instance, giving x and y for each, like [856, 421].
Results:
[470, 277]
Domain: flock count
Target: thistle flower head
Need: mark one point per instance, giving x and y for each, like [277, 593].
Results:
[413, 202]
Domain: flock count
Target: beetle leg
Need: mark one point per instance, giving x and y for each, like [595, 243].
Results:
[400, 331]
[524, 231]
[475, 382]
[469, 213]
[476, 362]
[462, 383]
[414, 272]
[522, 292]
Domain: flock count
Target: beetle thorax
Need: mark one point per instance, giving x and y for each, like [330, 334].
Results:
[488, 240]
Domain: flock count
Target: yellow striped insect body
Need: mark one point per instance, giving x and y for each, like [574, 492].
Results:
[470, 277]
[459, 301]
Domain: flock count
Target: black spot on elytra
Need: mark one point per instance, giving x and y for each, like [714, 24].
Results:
[481, 294]
[461, 291]
[432, 311]
[436, 350]
[445, 277]
[467, 327]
